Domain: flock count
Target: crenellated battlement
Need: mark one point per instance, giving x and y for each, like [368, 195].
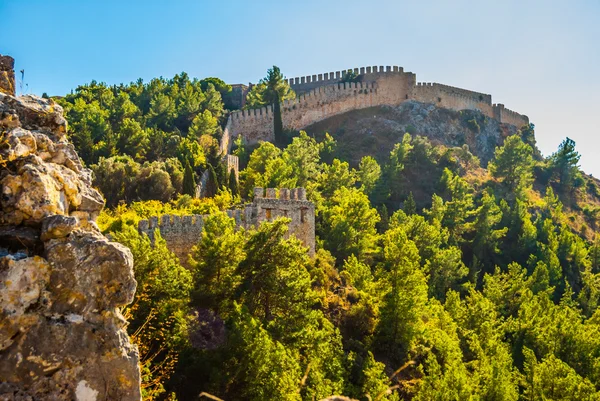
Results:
[333, 77]
[321, 96]
[181, 233]
[364, 74]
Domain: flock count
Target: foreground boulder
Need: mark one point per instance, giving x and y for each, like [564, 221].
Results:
[62, 336]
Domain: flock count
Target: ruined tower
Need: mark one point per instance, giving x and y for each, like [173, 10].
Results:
[181, 233]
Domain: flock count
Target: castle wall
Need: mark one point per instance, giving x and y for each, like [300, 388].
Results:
[453, 98]
[254, 125]
[507, 116]
[182, 233]
[322, 96]
[327, 101]
[365, 74]
[232, 162]
[291, 204]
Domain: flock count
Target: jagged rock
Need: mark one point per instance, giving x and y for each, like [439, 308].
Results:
[7, 75]
[57, 226]
[90, 272]
[62, 282]
[35, 113]
[22, 282]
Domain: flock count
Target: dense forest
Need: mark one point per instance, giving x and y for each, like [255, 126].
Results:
[435, 278]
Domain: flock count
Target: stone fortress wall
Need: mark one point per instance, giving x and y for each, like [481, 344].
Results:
[322, 96]
[181, 233]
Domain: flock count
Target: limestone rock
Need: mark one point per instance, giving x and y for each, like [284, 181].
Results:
[7, 75]
[62, 282]
[45, 178]
[35, 113]
[57, 226]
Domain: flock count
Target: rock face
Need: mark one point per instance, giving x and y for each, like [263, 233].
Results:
[62, 336]
[375, 131]
[7, 75]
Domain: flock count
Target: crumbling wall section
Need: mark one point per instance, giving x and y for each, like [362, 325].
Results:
[182, 233]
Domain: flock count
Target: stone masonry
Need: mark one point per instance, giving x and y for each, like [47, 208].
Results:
[324, 95]
[181, 233]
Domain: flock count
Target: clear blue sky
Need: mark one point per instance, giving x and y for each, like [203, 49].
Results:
[538, 57]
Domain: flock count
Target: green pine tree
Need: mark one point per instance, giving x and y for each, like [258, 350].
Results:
[410, 206]
[212, 185]
[189, 182]
[233, 183]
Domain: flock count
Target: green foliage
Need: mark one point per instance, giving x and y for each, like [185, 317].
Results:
[189, 182]
[369, 173]
[271, 90]
[233, 183]
[513, 164]
[349, 225]
[303, 156]
[264, 369]
[212, 184]
[432, 280]
[336, 176]
[474, 126]
[120, 179]
[157, 315]
[214, 261]
[565, 168]
[405, 289]
[144, 121]
[410, 207]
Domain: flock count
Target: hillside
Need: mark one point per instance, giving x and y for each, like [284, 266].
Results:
[374, 131]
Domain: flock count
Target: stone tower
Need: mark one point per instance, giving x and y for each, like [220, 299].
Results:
[181, 233]
[289, 203]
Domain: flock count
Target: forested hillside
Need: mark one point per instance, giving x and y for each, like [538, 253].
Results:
[434, 278]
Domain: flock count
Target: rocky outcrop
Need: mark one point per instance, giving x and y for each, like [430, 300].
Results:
[375, 131]
[7, 75]
[62, 282]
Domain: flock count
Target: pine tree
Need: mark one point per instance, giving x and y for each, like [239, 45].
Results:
[273, 89]
[410, 206]
[212, 185]
[565, 166]
[513, 164]
[189, 182]
[233, 183]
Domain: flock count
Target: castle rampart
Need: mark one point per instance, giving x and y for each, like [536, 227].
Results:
[181, 233]
[304, 84]
[322, 96]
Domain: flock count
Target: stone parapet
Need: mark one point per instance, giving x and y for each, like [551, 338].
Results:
[182, 233]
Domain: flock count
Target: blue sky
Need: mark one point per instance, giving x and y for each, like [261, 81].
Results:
[540, 58]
